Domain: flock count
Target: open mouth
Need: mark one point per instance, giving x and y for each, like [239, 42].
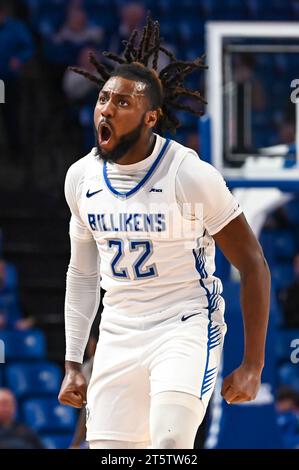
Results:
[105, 133]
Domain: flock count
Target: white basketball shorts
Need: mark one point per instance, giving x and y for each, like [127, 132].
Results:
[136, 358]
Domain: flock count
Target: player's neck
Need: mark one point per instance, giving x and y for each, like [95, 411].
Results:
[141, 150]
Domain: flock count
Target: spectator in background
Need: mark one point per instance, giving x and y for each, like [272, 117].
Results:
[25, 323]
[81, 95]
[8, 277]
[14, 435]
[74, 34]
[287, 400]
[248, 91]
[77, 89]
[16, 48]
[77, 31]
[287, 407]
[132, 16]
[289, 298]
[245, 73]
[9, 306]
[10, 311]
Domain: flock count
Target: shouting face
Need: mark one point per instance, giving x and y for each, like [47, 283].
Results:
[121, 117]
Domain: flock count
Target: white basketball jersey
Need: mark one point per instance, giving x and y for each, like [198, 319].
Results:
[151, 258]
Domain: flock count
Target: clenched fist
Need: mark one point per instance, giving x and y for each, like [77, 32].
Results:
[242, 384]
[73, 389]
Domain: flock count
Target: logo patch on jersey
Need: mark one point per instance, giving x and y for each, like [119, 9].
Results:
[154, 190]
[88, 194]
[185, 317]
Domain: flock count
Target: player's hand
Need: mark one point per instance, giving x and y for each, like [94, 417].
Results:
[73, 389]
[242, 384]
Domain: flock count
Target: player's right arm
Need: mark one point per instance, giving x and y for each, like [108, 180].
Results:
[82, 295]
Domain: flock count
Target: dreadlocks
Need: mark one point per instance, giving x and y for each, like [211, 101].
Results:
[166, 88]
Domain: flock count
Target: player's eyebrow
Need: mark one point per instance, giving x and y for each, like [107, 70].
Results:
[121, 95]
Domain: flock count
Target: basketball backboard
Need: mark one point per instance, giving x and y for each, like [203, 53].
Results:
[252, 91]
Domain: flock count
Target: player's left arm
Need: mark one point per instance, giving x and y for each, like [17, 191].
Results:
[240, 246]
[199, 182]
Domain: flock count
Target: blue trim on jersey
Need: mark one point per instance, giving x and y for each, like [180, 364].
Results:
[215, 297]
[144, 179]
[200, 260]
[205, 387]
[214, 333]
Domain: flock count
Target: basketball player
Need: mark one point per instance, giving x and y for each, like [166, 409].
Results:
[162, 327]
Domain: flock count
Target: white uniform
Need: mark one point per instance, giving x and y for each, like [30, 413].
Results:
[162, 327]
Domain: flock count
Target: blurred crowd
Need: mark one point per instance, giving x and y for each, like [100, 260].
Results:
[48, 113]
[48, 116]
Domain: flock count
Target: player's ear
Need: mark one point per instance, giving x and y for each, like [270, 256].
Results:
[151, 118]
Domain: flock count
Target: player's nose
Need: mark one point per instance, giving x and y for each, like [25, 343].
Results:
[108, 109]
